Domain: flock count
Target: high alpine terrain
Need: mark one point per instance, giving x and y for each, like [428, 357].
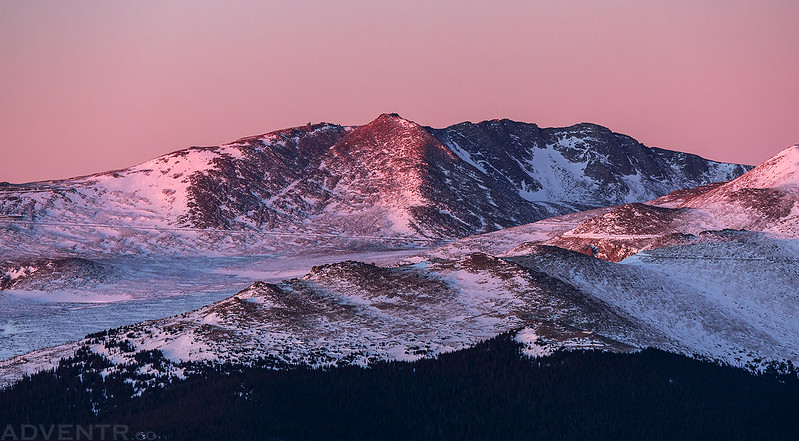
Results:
[707, 270]
[344, 185]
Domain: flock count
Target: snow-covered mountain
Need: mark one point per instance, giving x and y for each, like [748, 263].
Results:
[585, 165]
[756, 214]
[355, 312]
[706, 271]
[732, 301]
[766, 199]
[391, 177]
[714, 267]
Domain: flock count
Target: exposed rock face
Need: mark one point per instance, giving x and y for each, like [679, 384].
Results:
[585, 165]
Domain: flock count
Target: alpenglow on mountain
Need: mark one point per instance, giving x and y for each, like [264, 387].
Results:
[390, 177]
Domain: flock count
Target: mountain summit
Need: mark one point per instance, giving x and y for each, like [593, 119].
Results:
[780, 171]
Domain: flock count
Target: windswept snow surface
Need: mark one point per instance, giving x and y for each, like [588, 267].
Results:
[735, 301]
[732, 301]
[355, 312]
[139, 288]
[779, 171]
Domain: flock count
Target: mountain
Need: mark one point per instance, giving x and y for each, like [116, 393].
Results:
[765, 199]
[582, 166]
[389, 178]
[731, 301]
[714, 267]
[360, 313]
[671, 273]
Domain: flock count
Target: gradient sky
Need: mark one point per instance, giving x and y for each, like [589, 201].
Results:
[88, 86]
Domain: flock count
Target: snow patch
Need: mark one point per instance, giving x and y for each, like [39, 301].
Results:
[532, 344]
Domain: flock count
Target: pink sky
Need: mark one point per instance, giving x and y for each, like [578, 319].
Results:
[87, 86]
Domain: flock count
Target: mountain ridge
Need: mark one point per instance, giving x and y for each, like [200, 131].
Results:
[390, 177]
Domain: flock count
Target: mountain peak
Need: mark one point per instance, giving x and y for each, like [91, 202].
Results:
[790, 154]
[589, 127]
[388, 132]
[781, 170]
[391, 118]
